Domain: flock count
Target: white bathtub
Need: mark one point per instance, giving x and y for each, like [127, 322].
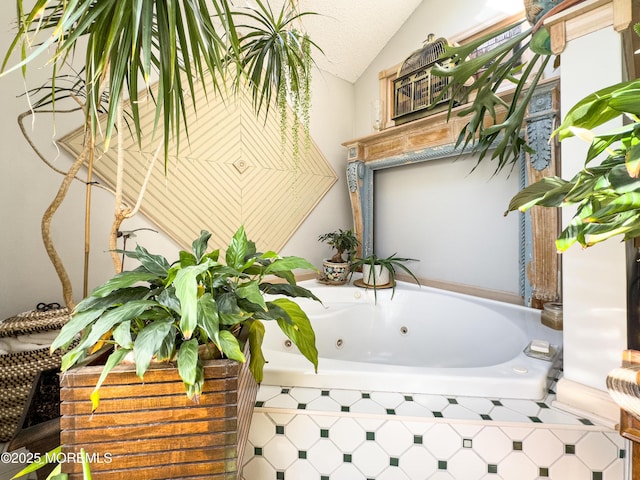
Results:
[424, 340]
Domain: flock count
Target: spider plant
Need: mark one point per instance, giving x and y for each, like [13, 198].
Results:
[390, 263]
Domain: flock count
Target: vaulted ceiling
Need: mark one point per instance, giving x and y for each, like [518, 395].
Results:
[351, 33]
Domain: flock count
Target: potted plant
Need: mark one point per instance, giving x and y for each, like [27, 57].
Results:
[336, 268]
[184, 326]
[380, 272]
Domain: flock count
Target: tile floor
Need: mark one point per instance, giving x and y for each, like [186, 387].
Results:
[312, 434]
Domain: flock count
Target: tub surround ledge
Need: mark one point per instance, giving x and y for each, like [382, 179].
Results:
[588, 402]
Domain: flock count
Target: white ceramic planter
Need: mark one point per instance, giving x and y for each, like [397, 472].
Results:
[378, 275]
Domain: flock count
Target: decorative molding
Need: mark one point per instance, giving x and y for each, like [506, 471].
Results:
[539, 124]
[586, 17]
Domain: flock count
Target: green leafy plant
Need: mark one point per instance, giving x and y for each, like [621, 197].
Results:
[343, 241]
[166, 312]
[391, 263]
[606, 195]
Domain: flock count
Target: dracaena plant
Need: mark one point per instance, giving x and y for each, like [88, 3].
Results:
[606, 195]
[169, 312]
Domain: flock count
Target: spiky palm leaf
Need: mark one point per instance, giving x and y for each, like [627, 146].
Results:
[174, 42]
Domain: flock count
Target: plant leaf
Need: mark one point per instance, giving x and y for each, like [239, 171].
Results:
[208, 318]
[148, 342]
[289, 263]
[122, 335]
[237, 250]
[251, 291]
[186, 285]
[299, 329]
[38, 464]
[199, 245]
[114, 359]
[256, 360]
[230, 347]
[123, 280]
[188, 361]
[155, 264]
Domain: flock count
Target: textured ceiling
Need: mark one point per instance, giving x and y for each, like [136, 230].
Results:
[351, 33]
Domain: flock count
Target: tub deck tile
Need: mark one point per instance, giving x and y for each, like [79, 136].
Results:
[343, 434]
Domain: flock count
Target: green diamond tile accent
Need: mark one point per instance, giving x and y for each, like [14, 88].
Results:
[371, 435]
[279, 475]
[492, 468]
[325, 393]
[535, 419]
[324, 477]
[442, 464]
[302, 454]
[570, 449]
[324, 433]
[596, 476]
[543, 472]
[408, 398]
[496, 403]
[257, 451]
[279, 429]
[467, 443]
[284, 390]
[484, 416]
[344, 408]
[417, 439]
[452, 401]
[366, 395]
[391, 411]
[394, 462]
[622, 453]
[542, 405]
[517, 445]
[302, 406]
[259, 404]
[585, 421]
[437, 414]
[346, 458]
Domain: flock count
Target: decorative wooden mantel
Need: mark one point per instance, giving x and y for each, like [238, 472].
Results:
[434, 137]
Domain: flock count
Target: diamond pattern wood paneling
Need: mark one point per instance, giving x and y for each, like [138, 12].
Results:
[230, 169]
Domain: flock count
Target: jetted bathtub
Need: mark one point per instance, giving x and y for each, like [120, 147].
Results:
[424, 340]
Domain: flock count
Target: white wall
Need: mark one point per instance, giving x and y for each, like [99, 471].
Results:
[431, 211]
[594, 280]
[28, 186]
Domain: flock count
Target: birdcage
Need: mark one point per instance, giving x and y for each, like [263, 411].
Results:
[415, 89]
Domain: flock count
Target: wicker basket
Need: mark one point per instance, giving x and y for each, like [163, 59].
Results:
[19, 370]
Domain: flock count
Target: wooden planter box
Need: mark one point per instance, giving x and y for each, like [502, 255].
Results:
[151, 430]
